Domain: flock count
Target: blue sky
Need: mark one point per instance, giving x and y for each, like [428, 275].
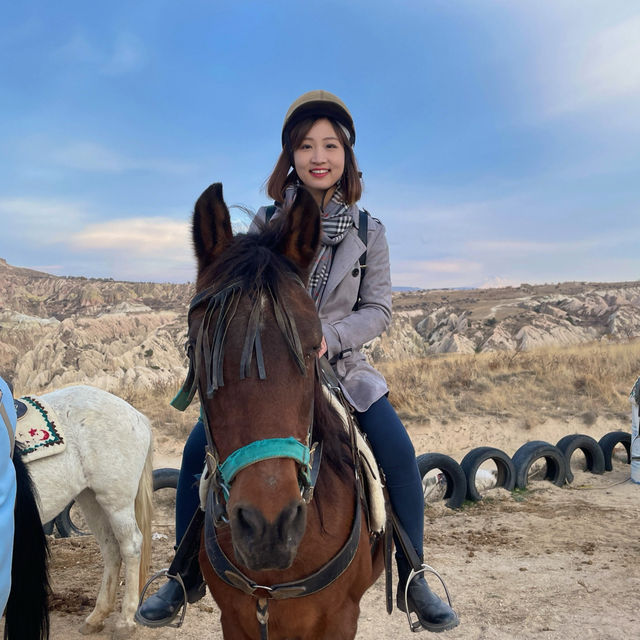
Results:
[499, 141]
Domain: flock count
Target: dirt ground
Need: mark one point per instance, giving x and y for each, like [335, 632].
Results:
[546, 563]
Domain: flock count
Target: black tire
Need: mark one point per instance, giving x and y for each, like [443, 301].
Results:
[66, 526]
[608, 443]
[590, 447]
[165, 478]
[529, 452]
[471, 463]
[453, 473]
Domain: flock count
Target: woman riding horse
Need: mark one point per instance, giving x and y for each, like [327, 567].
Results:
[353, 300]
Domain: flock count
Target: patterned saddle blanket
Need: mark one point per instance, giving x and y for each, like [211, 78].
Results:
[38, 431]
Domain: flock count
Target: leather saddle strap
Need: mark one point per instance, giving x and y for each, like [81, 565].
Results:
[189, 546]
[401, 535]
[388, 551]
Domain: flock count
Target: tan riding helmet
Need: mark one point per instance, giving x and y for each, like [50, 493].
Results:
[318, 103]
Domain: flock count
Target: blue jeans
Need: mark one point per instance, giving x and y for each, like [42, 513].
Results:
[391, 446]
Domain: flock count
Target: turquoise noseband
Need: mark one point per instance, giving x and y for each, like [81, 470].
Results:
[265, 450]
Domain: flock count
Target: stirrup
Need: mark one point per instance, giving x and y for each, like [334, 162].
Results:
[415, 625]
[183, 609]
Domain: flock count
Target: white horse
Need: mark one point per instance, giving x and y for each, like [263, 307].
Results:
[107, 468]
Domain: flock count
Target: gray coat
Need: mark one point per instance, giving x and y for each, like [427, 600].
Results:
[345, 330]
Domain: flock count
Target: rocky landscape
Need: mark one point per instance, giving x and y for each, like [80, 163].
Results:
[506, 559]
[122, 336]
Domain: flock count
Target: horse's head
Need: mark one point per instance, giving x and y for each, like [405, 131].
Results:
[254, 335]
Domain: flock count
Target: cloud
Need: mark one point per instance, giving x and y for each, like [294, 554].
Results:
[136, 236]
[499, 282]
[41, 220]
[528, 247]
[79, 50]
[435, 273]
[437, 266]
[593, 69]
[143, 248]
[90, 156]
[126, 54]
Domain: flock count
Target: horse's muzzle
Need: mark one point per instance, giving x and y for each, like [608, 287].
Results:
[259, 544]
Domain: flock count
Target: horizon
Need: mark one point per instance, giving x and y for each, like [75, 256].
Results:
[498, 141]
[395, 289]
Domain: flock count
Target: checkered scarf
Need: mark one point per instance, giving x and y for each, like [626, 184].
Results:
[336, 221]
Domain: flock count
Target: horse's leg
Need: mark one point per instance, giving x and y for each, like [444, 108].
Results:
[99, 525]
[124, 527]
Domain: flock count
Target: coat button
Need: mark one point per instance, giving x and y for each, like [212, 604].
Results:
[355, 273]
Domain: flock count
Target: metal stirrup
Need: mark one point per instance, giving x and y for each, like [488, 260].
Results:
[178, 579]
[416, 626]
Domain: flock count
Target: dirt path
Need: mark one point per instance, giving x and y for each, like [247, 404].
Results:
[549, 563]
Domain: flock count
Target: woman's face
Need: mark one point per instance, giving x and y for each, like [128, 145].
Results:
[319, 160]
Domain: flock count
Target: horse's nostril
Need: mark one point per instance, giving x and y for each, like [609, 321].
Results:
[250, 521]
[292, 520]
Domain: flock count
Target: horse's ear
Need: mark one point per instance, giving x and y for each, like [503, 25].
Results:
[211, 225]
[301, 230]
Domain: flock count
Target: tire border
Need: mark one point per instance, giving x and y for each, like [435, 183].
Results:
[165, 478]
[453, 473]
[65, 525]
[589, 446]
[471, 463]
[529, 452]
[609, 441]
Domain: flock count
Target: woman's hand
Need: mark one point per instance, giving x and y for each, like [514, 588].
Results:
[323, 348]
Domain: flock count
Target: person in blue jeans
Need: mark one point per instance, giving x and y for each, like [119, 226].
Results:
[354, 305]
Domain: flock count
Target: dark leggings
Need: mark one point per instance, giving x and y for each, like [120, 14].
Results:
[394, 452]
[391, 446]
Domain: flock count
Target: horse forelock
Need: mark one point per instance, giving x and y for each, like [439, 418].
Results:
[251, 260]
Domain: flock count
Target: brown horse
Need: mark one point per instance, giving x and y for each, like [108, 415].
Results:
[284, 559]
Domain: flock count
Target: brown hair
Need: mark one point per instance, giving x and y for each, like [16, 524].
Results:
[281, 176]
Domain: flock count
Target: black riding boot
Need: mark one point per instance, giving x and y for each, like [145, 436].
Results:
[433, 613]
[163, 606]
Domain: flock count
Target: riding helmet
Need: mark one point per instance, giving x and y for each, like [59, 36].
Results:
[317, 104]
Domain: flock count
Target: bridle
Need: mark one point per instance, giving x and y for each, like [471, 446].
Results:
[207, 355]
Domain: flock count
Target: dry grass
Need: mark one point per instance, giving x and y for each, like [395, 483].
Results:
[155, 404]
[588, 381]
